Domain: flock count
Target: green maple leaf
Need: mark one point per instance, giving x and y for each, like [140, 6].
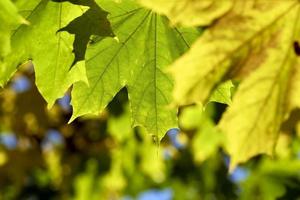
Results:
[49, 50]
[144, 46]
[253, 43]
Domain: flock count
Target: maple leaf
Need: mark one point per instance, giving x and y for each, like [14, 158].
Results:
[49, 50]
[145, 45]
[252, 43]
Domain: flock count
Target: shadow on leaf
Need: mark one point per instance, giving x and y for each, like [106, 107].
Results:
[93, 22]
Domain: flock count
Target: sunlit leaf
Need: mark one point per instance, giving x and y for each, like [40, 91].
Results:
[49, 50]
[144, 46]
[252, 43]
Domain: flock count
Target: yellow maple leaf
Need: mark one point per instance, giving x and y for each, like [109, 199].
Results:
[253, 43]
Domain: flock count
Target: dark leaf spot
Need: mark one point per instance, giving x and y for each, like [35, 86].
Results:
[297, 48]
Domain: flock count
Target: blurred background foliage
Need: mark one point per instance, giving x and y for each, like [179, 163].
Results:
[44, 157]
